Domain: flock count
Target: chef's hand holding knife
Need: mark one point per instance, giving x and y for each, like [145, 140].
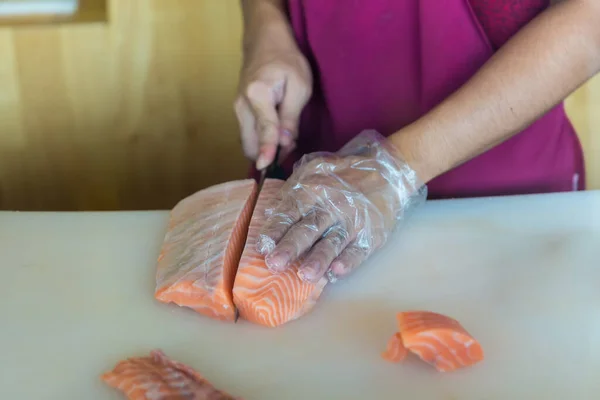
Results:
[335, 209]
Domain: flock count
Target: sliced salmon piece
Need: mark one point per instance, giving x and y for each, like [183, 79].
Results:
[437, 339]
[202, 248]
[395, 351]
[261, 296]
[157, 377]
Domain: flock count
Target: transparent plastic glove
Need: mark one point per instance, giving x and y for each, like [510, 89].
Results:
[336, 209]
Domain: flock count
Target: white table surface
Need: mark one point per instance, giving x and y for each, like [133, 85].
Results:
[521, 273]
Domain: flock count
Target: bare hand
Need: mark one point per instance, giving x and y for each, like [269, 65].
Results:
[275, 85]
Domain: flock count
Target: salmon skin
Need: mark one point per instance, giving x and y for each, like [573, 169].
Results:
[261, 296]
[202, 248]
[156, 377]
[435, 338]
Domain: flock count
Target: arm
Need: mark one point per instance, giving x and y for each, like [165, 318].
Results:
[263, 16]
[539, 67]
[275, 82]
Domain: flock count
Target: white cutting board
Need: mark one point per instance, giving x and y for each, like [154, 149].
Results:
[521, 273]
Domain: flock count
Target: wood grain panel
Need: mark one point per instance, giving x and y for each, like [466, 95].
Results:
[583, 108]
[136, 113]
[133, 114]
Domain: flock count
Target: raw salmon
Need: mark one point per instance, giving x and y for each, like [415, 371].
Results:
[395, 351]
[202, 248]
[261, 296]
[159, 378]
[437, 339]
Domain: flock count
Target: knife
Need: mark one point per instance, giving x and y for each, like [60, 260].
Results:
[275, 171]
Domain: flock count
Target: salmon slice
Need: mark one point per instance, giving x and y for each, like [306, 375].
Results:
[202, 248]
[159, 378]
[395, 351]
[261, 296]
[437, 339]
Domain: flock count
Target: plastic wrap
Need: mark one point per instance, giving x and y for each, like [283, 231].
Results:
[338, 208]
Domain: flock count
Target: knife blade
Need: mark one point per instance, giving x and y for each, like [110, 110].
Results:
[274, 170]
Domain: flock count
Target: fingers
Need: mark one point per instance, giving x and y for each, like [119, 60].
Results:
[319, 259]
[269, 113]
[278, 223]
[287, 150]
[364, 244]
[247, 128]
[288, 142]
[291, 108]
[348, 260]
[262, 100]
[299, 239]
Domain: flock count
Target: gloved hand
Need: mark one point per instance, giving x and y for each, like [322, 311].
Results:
[336, 209]
[275, 85]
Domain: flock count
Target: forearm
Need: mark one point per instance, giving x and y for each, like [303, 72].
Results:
[534, 71]
[265, 17]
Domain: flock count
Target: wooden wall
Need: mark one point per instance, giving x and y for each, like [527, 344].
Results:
[137, 114]
[583, 108]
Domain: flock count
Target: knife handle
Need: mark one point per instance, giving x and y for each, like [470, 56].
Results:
[275, 171]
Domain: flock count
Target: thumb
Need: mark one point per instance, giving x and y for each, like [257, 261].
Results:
[262, 100]
[295, 98]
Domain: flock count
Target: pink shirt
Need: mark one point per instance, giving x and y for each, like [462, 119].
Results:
[381, 64]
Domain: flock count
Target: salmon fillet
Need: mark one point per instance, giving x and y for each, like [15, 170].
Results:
[261, 296]
[437, 339]
[202, 248]
[395, 351]
[157, 377]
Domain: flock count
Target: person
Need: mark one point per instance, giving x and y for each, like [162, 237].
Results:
[377, 105]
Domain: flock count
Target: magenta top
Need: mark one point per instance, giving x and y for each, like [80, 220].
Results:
[381, 64]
